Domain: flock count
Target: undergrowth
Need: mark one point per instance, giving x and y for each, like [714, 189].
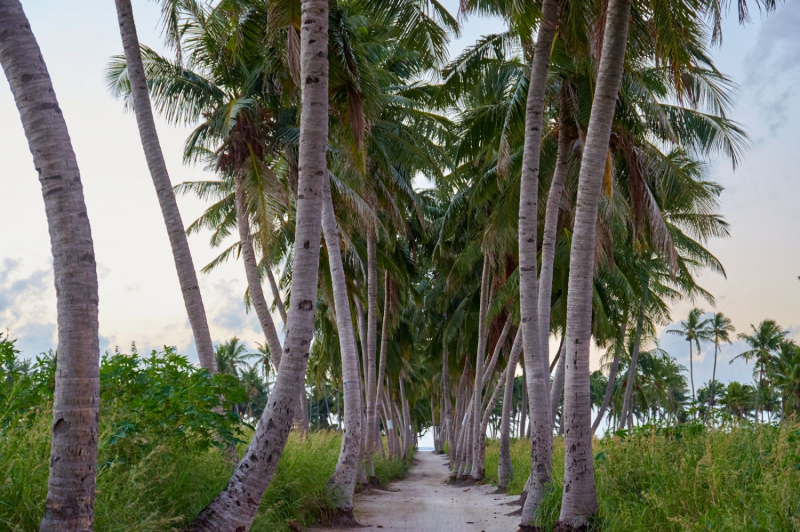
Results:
[166, 487]
[744, 479]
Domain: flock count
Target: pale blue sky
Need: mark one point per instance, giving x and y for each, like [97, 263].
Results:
[139, 295]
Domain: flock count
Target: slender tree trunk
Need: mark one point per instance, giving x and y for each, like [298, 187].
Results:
[488, 371]
[375, 435]
[343, 480]
[251, 270]
[447, 401]
[550, 233]
[407, 433]
[504, 467]
[73, 454]
[714, 374]
[166, 198]
[579, 499]
[612, 378]
[233, 509]
[536, 362]
[691, 370]
[276, 294]
[477, 394]
[523, 409]
[558, 386]
[372, 340]
[627, 404]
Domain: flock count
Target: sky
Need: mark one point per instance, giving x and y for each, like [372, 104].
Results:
[139, 295]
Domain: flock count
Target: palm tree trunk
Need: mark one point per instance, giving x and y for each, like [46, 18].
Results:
[233, 509]
[276, 295]
[558, 386]
[343, 481]
[691, 370]
[181, 253]
[612, 378]
[550, 233]
[448, 428]
[579, 500]
[488, 370]
[538, 381]
[504, 467]
[73, 453]
[375, 435]
[714, 374]
[251, 271]
[372, 339]
[523, 409]
[627, 403]
[477, 394]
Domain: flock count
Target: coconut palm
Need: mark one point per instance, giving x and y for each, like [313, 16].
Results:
[158, 171]
[786, 374]
[73, 452]
[694, 330]
[764, 342]
[236, 506]
[720, 329]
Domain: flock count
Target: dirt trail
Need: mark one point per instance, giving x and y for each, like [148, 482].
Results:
[424, 502]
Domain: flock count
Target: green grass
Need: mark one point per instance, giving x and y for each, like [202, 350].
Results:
[740, 480]
[165, 488]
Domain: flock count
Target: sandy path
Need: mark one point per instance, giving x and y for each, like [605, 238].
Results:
[425, 503]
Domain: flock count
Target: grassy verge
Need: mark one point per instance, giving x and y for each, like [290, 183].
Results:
[164, 488]
[740, 480]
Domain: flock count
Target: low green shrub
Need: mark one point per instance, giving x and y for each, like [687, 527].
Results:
[747, 478]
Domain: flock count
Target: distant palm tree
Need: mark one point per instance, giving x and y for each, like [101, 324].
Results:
[786, 372]
[764, 342]
[231, 355]
[693, 330]
[720, 328]
[739, 399]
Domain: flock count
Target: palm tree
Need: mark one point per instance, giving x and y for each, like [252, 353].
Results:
[231, 355]
[786, 372]
[235, 507]
[720, 328]
[166, 198]
[579, 501]
[535, 358]
[693, 329]
[764, 342]
[73, 452]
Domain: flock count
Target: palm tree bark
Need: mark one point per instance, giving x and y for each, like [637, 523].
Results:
[73, 453]
[448, 427]
[627, 403]
[535, 362]
[187, 276]
[691, 369]
[579, 500]
[372, 340]
[558, 386]
[504, 467]
[612, 378]
[276, 294]
[714, 372]
[343, 481]
[477, 394]
[375, 435]
[257, 298]
[233, 509]
[550, 233]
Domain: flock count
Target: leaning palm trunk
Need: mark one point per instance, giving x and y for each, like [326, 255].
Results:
[233, 509]
[579, 500]
[550, 233]
[343, 480]
[375, 436]
[372, 339]
[251, 271]
[477, 394]
[535, 360]
[557, 388]
[714, 375]
[504, 468]
[73, 452]
[166, 198]
[612, 378]
[627, 403]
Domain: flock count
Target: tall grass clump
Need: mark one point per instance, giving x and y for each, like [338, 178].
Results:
[746, 478]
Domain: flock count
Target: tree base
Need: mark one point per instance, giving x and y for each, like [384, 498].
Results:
[519, 502]
[340, 518]
[564, 527]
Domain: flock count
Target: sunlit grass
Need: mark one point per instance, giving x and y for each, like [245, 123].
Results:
[744, 479]
[165, 488]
